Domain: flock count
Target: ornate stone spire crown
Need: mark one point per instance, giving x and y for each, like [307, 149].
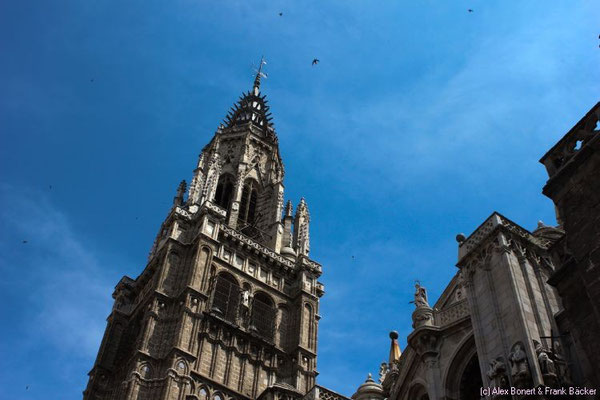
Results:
[252, 109]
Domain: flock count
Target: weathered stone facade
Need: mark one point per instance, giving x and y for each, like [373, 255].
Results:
[573, 166]
[227, 306]
[523, 311]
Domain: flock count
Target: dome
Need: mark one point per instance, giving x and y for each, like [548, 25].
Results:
[369, 390]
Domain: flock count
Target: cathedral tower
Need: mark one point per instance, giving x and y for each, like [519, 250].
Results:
[227, 306]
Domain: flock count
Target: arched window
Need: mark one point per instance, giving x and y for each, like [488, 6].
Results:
[203, 394]
[263, 316]
[226, 297]
[224, 191]
[247, 213]
[282, 328]
[145, 371]
[307, 325]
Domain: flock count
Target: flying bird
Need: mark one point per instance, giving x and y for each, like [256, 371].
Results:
[470, 10]
[280, 14]
[24, 241]
[91, 80]
[315, 61]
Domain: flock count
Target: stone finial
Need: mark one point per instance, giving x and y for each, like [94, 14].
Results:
[178, 199]
[301, 228]
[541, 224]
[395, 352]
[289, 208]
[460, 238]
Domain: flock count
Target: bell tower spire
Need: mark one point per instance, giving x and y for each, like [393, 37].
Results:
[229, 300]
[259, 74]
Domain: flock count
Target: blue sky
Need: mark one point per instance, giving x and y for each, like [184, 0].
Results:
[419, 121]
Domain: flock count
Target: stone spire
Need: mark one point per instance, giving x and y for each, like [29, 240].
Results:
[252, 108]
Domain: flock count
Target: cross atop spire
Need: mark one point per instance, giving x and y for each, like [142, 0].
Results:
[259, 74]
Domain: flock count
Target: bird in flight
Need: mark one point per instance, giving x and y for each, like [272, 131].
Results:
[470, 10]
[24, 241]
[315, 61]
[280, 14]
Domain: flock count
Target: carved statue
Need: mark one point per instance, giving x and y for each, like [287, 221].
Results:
[497, 373]
[420, 296]
[496, 366]
[383, 370]
[546, 364]
[518, 361]
[246, 299]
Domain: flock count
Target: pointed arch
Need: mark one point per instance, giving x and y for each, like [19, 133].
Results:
[263, 315]
[226, 296]
[463, 372]
[224, 191]
[283, 322]
[418, 391]
[247, 213]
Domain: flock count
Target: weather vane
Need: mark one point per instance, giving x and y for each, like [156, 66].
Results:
[259, 73]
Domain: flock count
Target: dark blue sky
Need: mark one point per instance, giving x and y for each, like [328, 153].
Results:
[419, 121]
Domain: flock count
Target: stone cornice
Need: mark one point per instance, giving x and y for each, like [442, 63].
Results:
[230, 232]
[488, 228]
[572, 144]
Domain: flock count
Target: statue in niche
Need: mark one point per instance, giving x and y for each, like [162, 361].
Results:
[518, 361]
[546, 364]
[420, 296]
[497, 373]
[246, 299]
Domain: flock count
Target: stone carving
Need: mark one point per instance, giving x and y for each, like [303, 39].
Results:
[183, 213]
[214, 208]
[497, 373]
[420, 296]
[519, 367]
[481, 233]
[453, 313]
[423, 314]
[572, 143]
[494, 222]
[246, 299]
[383, 370]
[547, 366]
[560, 364]
[257, 246]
